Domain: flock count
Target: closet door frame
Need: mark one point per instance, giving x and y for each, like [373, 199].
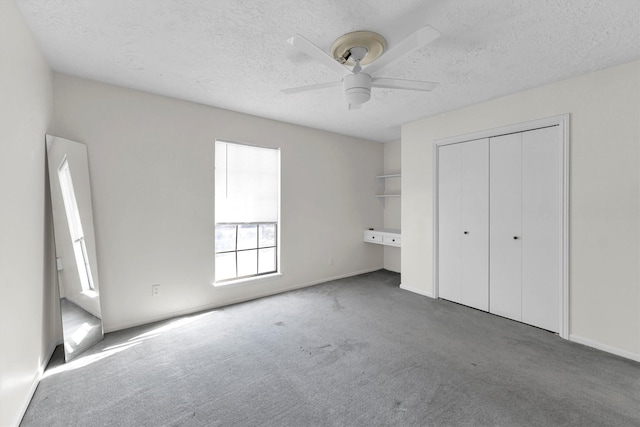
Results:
[563, 122]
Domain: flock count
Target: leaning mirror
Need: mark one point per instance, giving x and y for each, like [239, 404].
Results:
[75, 245]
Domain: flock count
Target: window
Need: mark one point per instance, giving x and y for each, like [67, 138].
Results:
[247, 208]
[75, 227]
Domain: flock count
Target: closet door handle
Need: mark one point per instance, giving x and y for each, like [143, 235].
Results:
[515, 237]
[466, 232]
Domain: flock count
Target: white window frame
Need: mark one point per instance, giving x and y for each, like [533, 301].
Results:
[259, 276]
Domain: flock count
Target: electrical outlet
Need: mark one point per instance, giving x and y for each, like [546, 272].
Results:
[155, 290]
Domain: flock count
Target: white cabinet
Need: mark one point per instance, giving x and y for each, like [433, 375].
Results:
[500, 225]
[392, 239]
[383, 236]
[464, 214]
[372, 236]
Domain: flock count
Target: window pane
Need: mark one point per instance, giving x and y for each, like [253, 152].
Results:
[225, 238]
[225, 266]
[266, 260]
[267, 235]
[247, 236]
[247, 263]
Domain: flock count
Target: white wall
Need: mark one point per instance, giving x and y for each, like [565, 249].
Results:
[392, 204]
[151, 161]
[604, 195]
[28, 301]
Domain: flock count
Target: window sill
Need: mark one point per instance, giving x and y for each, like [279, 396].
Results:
[90, 294]
[245, 281]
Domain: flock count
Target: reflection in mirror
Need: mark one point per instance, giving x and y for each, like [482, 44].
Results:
[75, 245]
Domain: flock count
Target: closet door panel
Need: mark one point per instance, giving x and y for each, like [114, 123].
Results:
[505, 204]
[541, 227]
[449, 220]
[475, 224]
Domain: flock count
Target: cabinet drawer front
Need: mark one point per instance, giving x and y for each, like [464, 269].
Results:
[392, 240]
[373, 236]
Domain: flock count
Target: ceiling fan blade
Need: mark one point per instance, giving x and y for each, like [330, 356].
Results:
[310, 87]
[316, 53]
[403, 84]
[420, 38]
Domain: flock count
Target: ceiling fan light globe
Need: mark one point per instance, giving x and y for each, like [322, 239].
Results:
[357, 88]
[357, 96]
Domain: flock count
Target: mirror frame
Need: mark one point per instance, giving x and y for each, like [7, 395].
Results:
[74, 236]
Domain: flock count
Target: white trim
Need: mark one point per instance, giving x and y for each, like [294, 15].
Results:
[565, 301]
[246, 280]
[193, 310]
[435, 221]
[609, 349]
[49, 140]
[249, 144]
[504, 130]
[563, 122]
[416, 291]
[34, 383]
[27, 401]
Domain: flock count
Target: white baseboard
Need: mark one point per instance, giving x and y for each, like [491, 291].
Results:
[338, 277]
[27, 400]
[609, 349]
[192, 310]
[34, 384]
[416, 291]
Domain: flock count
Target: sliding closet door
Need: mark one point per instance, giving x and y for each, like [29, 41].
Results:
[541, 227]
[475, 224]
[505, 200]
[463, 218]
[449, 222]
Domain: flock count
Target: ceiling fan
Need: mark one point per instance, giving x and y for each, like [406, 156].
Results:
[361, 48]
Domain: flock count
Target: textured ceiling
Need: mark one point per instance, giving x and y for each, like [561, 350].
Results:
[232, 53]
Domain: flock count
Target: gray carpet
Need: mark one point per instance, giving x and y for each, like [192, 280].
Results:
[352, 352]
[82, 329]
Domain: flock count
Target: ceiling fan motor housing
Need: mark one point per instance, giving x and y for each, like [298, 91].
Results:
[357, 88]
